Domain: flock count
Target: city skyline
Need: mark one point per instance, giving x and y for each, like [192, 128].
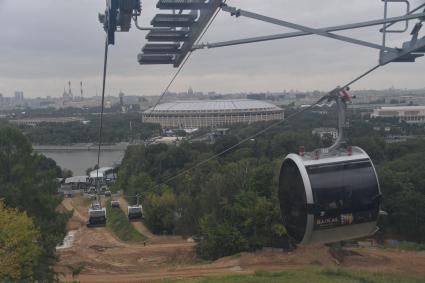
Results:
[44, 50]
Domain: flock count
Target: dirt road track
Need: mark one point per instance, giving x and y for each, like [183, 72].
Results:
[109, 260]
[154, 239]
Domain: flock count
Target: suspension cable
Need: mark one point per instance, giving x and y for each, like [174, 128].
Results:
[105, 65]
[361, 76]
[290, 117]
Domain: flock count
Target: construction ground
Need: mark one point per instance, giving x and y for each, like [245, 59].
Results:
[106, 259]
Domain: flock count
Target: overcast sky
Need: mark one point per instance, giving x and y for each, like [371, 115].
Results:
[45, 43]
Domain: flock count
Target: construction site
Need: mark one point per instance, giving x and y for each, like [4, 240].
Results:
[108, 259]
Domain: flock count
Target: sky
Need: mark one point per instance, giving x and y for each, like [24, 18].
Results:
[46, 43]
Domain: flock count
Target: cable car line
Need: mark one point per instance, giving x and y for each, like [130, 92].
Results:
[290, 117]
[97, 214]
[329, 96]
[328, 195]
[105, 66]
[371, 70]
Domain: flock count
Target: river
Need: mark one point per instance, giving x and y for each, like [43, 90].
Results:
[78, 160]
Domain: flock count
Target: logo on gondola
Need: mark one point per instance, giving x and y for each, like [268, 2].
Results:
[347, 219]
[327, 221]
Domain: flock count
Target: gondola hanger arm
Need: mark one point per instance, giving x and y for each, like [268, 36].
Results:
[307, 30]
[238, 12]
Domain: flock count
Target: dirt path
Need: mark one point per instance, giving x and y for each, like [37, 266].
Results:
[137, 225]
[108, 260]
[103, 253]
[153, 239]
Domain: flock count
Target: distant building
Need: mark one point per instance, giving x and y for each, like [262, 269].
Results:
[212, 113]
[76, 183]
[409, 114]
[108, 173]
[37, 121]
[165, 140]
[121, 96]
[325, 132]
[19, 96]
[190, 91]
[257, 96]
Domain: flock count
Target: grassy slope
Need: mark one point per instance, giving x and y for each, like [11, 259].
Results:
[121, 227]
[314, 275]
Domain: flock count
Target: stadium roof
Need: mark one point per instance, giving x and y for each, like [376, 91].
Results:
[214, 105]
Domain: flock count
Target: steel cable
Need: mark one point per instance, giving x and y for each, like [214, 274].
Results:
[292, 116]
[105, 65]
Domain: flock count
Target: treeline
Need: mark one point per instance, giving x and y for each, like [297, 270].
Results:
[117, 128]
[30, 226]
[230, 202]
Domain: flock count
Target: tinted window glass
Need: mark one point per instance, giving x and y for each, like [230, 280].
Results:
[344, 187]
[292, 199]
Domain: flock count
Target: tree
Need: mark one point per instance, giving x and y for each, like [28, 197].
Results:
[66, 173]
[160, 211]
[139, 184]
[219, 240]
[29, 184]
[19, 249]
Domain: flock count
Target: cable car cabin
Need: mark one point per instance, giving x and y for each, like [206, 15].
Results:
[97, 216]
[115, 204]
[135, 212]
[329, 198]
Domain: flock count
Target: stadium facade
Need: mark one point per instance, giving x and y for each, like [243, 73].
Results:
[211, 113]
[409, 114]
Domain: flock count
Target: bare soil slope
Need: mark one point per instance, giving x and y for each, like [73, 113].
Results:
[109, 260]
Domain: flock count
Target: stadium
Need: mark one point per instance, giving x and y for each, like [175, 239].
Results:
[211, 113]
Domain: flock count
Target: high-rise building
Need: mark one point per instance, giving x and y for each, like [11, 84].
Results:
[121, 96]
[19, 95]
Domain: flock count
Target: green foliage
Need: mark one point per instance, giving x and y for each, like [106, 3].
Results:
[117, 221]
[28, 183]
[219, 240]
[19, 251]
[160, 211]
[403, 189]
[238, 189]
[406, 246]
[118, 130]
[316, 275]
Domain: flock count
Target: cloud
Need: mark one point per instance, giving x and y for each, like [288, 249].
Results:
[45, 43]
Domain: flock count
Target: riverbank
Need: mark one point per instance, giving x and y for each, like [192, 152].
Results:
[79, 158]
[122, 146]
